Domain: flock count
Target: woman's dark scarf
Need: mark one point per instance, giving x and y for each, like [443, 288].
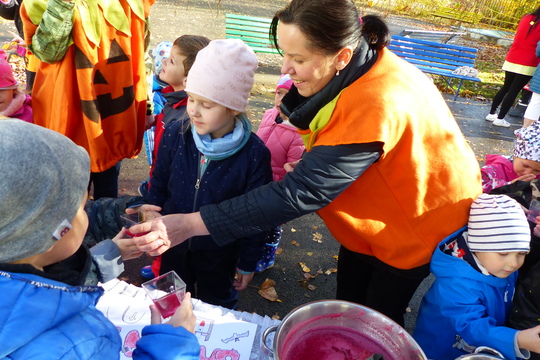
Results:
[301, 110]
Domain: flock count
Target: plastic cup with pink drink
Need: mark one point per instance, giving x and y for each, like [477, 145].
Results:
[167, 292]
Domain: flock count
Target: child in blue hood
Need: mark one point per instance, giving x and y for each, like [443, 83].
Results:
[476, 270]
[48, 311]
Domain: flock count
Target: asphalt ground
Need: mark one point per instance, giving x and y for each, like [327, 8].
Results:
[305, 240]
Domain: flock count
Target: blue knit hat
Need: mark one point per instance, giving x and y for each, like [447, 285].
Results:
[497, 223]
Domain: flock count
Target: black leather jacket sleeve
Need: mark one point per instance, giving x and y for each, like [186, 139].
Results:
[321, 175]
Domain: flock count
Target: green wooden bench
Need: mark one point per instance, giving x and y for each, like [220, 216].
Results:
[460, 16]
[254, 31]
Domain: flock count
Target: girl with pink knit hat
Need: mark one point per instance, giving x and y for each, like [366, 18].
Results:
[13, 103]
[207, 158]
[286, 146]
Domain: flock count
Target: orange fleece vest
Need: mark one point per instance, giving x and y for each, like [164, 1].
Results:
[96, 95]
[421, 188]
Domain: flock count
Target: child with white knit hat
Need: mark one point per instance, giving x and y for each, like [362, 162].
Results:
[475, 274]
[210, 157]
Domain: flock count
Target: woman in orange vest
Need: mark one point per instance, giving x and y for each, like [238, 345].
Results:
[387, 167]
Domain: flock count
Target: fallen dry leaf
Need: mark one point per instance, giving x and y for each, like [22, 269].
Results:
[330, 271]
[317, 237]
[295, 243]
[293, 230]
[279, 250]
[268, 283]
[276, 317]
[335, 257]
[269, 294]
[311, 287]
[309, 253]
[314, 227]
[268, 291]
[304, 267]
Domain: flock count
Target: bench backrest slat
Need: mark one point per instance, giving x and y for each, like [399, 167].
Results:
[254, 31]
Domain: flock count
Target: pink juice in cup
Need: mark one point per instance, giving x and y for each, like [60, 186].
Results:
[167, 292]
[168, 304]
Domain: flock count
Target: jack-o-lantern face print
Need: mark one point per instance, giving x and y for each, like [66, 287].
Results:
[107, 74]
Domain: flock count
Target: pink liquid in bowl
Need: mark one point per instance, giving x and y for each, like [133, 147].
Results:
[329, 343]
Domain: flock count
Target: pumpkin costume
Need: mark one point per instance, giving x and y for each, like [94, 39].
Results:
[90, 82]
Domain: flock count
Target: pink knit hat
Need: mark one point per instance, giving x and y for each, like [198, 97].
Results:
[284, 82]
[7, 81]
[223, 72]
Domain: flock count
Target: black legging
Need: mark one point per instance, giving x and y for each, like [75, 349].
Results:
[368, 281]
[513, 83]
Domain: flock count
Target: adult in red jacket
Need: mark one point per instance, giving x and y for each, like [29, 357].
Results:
[519, 67]
[387, 167]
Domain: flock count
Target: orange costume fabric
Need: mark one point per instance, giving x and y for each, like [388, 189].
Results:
[424, 182]
[96, 95]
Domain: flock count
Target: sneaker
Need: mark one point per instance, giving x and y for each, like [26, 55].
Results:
[491, 117]
[501, 122]
[147, 272]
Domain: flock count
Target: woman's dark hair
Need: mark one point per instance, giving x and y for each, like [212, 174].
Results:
[534, 23]
[331, 25]
[189, 46]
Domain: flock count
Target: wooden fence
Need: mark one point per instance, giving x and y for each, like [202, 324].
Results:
[501, 14]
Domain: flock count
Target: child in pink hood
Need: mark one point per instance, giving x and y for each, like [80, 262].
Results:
[524, 165]
[280, 136]
[286, 146]
[13, 103]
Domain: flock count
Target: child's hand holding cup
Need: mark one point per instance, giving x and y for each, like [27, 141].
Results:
[167, 291]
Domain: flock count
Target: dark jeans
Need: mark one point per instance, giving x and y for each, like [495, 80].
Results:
[208, 274]
[368, 281]
[105, 182]
[513, 83]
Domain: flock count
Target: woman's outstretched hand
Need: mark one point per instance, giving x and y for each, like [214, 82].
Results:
[160, 234]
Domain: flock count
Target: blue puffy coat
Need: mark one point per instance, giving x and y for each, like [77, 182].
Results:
[464, 304]
[46, 319]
